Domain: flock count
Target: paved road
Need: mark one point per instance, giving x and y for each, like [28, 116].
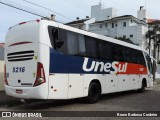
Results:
[124, 101]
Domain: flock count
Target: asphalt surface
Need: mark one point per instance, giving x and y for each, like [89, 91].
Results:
[123, 101]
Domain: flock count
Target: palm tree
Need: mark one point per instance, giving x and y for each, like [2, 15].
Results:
[158, 45]
[149, 35]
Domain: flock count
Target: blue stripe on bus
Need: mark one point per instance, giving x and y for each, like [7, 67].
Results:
[62, 63]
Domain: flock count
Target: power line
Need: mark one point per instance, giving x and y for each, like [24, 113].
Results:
[79, 4]
[44, 16]
[76, 4]
[46, 9]
[82, 3]
[21, 9]
[125, 6]
[9, 5]
[111, 30]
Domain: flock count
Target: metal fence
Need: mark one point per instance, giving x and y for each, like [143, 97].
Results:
[1, 53]
[1, 75]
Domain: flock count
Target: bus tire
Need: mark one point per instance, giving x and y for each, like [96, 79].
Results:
[94, 93]
[143, 86]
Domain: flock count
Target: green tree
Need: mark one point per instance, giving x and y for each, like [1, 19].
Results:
[124, 39]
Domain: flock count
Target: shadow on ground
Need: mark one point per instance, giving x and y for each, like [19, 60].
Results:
[46, 104]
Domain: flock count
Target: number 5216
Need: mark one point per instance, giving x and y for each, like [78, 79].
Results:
[18, 69]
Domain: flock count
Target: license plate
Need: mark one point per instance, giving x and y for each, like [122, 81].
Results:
[19, 91]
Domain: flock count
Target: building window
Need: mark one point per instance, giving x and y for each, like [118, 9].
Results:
[106, 25]
[124, 36]
[131, 21]
[80, 27]
[116, 25]
[131, 36]
[100, 26]
[112, 25]
[124, 24]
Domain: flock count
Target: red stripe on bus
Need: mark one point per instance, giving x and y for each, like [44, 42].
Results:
[131, 68]
[19, 43]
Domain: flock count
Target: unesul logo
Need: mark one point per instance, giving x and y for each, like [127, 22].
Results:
[107, 67]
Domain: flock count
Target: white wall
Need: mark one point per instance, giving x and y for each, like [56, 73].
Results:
[143, 14]
[1, 53]
[129, 30]
[138, 31]
[100, 14]
[132, 28]
[1, 75]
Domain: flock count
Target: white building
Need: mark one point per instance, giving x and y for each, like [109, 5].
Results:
[106, 22]
[142, 14]
[100, 13]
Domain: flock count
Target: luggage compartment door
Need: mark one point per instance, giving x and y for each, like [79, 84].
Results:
[58, 86]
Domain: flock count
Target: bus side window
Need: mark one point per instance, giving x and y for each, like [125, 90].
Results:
[55, 39]
[50, 30]
[149, 63]
[127, 54]
[72, 43]
[81, 45]
[119, 53]
[105, 50]
[133, 56]
[67, 42]
[92, 48]
[142, 60]
[139, 58]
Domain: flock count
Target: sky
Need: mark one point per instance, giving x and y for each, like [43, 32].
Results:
[71, 9]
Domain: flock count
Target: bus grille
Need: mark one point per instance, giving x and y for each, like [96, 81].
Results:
[20, 56]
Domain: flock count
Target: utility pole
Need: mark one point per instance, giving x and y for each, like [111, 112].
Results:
[154, 56]
[153, 35]
[149, 36]
[158, 53]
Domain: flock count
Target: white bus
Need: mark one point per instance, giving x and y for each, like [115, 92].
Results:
[48, 60]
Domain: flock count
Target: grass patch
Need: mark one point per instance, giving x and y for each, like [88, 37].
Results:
[158, 82]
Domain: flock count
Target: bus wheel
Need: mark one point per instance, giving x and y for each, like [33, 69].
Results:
[142, 89]
[94, 93]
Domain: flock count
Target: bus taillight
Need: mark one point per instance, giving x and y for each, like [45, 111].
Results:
[40, 79]
[5, 77]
